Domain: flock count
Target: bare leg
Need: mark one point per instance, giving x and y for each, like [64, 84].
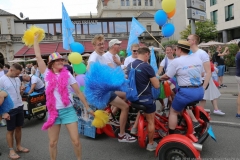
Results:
[122, 95]
[220, 80]
[202, 103]
[18, 138]
[214, 103]
[10, 142]
[173, 118]
[119, 103]
[136, 121]
[190, 113]
[53, 135]
[150, 127]
[73, 131]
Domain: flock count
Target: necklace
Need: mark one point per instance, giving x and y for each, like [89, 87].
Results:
[15, 87]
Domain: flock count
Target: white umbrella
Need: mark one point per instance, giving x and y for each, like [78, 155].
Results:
[203, 45]
[86, 55]
[213, 43]
[34, 59]
[155, 48]
[16, 61]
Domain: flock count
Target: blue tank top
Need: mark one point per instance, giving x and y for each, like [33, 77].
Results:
[7, 104]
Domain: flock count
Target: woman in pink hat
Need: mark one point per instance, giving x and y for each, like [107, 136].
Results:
[59, 100]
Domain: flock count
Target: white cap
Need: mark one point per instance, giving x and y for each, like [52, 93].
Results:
[114, 41]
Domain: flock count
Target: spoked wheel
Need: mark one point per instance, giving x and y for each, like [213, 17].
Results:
[175, 151]
[41, 116]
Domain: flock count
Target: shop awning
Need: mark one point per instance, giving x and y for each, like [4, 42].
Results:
[48, 48]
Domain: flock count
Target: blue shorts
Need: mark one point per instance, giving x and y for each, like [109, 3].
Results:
[112, 96]
[148, 102]
[66, 116]
[221, 70]
[185, 96]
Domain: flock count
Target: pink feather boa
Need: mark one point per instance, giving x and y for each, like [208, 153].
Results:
[60, 83]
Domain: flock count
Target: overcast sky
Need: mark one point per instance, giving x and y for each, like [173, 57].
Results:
[47, 9]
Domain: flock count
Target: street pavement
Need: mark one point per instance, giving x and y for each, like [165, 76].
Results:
[226, 129]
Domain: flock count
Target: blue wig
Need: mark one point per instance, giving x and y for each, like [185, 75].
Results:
[100, 81]
[7, 105]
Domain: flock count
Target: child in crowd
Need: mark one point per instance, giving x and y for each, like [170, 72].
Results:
[215, 72]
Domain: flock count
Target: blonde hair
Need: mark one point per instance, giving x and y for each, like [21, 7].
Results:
[98, 37]
[135, 45]
[196, 38]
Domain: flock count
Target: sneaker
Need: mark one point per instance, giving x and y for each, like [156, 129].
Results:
[114, 122]
[126, 138]
[3, 123]
[219, 87]
[238, 115]
[218, 112]
[223, 86]
[196, 125]
[133, 131]
[152, 147]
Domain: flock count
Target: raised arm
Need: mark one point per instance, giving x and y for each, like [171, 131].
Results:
[41, 64]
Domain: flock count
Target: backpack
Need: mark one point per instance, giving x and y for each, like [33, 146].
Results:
[132, 94]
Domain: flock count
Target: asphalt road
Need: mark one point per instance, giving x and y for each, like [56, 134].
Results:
[105, 148]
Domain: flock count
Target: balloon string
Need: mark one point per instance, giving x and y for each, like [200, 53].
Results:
[155, 40]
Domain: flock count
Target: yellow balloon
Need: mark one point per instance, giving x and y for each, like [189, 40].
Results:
[168, 5]
[75, 58]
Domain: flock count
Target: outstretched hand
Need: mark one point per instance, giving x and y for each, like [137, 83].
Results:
[36, 36]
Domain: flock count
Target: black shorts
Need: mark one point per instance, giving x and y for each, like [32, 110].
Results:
[112, 97]
[16, 118]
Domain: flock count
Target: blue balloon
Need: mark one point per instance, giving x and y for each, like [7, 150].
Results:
[77, 47]
[160, 17]
[168, 30]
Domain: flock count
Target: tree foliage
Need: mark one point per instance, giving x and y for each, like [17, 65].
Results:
[169, 43]
[206, 30]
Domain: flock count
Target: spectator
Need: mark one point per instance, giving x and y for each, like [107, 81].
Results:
[35, 71]
[219, 58]
[133, 57]
[6, 68]
[1, 70]
[66, 64]
[12, 85]
[238, 80]
[35, 83]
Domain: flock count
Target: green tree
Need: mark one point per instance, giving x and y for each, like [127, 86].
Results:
[206, 30]
[169, 43]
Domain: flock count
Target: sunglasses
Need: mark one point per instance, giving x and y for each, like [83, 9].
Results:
[100, 44]
[134, 50]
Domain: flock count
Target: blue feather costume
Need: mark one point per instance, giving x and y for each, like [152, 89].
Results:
[7, 104]
[100, 81]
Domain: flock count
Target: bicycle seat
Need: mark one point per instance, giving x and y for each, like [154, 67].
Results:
[138, 106]
[192, 104]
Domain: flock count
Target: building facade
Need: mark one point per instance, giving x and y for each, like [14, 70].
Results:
[113, 20]
[226, 16]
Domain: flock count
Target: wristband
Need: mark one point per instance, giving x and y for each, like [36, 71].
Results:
[89, 109]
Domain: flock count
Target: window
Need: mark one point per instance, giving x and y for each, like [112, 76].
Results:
[104, 27]
[95, 28]
[111, 27]
[85, 28]
[146, 2]
[139, 2]
[0, 28]
[149, 28]
[78, 29]
[120, 27]
[214, 17]
[129, 26]
[58, 28]
[51, 29]
[229, 12]
[134, 2]
[213, 2]
[127, 2]
[122, 2]
[150, 2]
[44, 27]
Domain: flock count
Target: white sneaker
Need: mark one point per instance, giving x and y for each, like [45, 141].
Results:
[218, 112]
[3, 122]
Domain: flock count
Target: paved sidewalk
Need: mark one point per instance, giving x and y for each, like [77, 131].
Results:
[232, 87]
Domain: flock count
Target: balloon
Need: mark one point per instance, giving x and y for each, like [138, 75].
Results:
[77, 47]
[171, 14]
[75, 58]
[122, 54]
[80, 79]
[79, 68]
[160, 17]
[168, 30]
[168, 5]
[82, 88]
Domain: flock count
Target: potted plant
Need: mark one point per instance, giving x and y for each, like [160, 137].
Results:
[230, 58]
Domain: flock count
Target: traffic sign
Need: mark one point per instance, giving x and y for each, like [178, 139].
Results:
[197, 4]
[196, 14]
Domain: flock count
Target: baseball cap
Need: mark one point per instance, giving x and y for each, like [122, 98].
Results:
[114, 41]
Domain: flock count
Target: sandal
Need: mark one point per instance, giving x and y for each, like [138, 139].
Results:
[13, 155]
[23, 150]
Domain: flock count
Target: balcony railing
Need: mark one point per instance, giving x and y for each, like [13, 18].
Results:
[5, 37]
[50, 38]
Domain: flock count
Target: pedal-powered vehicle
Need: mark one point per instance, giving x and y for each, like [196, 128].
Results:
[186, 144]
[34, 106]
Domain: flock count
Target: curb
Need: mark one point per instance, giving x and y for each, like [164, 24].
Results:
[223, 123]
